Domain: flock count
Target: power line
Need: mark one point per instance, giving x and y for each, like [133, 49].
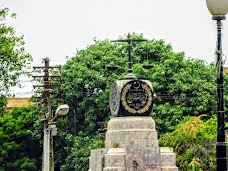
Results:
[58, 61]
[13, 138]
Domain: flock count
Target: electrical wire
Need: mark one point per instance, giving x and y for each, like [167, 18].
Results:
[13, 138]
[58, 61]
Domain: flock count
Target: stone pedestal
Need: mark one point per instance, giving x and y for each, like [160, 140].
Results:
[131, 145]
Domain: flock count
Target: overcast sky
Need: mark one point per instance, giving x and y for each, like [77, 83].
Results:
[55, 28]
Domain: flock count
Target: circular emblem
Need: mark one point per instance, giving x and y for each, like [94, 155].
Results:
[136, 98]
[114, 99]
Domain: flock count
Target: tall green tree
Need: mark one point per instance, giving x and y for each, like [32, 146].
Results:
[182, 86]
[13, 58]
[194, 143]
[19, 149]
[78, 150]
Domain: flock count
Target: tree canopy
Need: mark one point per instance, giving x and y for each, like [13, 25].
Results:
[13, 58]
[183, 86]
[194, 142]
[19, 150]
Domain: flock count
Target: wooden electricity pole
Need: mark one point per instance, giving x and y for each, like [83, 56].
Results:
[48, 155]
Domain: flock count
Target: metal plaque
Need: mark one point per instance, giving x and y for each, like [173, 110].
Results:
[136, 98]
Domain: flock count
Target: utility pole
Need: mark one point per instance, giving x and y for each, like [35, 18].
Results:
[48, 155]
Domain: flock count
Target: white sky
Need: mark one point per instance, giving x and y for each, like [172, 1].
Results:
[55, 28]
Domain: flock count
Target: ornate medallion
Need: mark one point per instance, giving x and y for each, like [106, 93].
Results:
[136, 98]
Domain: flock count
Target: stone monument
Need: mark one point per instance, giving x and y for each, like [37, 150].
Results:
[131, 142]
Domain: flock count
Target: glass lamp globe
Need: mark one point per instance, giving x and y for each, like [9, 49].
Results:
[218, 8]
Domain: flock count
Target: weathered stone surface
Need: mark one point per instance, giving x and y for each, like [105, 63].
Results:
[131, 132]
[136, 148]
[168, 158]
[143, 159]
[115, 169]
[166, 168]
[96, 161]
[130, 122]
[115, 157]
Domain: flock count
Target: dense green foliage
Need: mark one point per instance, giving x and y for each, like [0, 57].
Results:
[182, 87]
[12, 54]
[19, 151]
[194, 143]
[16, 145]
[79, 149]
[3, 103]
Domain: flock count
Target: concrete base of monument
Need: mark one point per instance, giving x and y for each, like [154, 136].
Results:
[131, 145]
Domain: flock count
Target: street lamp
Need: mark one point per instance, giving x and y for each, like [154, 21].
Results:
[49, 131]
[60, 111]
[218, 9]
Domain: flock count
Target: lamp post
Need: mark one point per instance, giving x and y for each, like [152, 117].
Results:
[48, 130]
[218, 9]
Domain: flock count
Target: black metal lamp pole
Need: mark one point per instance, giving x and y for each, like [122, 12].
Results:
[221, 139]
[219, 9]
